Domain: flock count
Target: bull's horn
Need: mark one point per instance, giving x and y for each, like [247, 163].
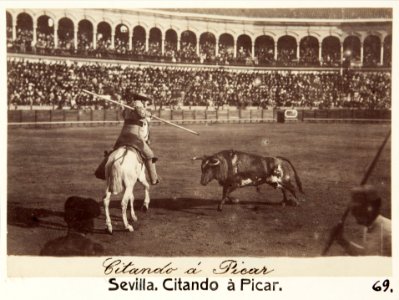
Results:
[214, 162]
[198, 158]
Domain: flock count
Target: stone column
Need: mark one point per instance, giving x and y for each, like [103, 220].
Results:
[162, 46]
[147, 39]
[235, 49]
[178, 44]
[197, 46]
[130, 39]
[95, 38]
[342, 53]
[55, 34]
[75, 36]
[382, 54]
[275, 51]
[253, 51]
[14, 32]
[320, 52]
[112, 40]
[217, 48]
[361, 53]
[297, 51]
[34, 40]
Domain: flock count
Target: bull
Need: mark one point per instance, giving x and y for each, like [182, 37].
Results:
[235, 169]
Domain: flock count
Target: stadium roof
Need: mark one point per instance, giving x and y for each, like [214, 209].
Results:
[291, 13]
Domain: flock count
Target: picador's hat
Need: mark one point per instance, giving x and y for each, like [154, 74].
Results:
[137, 96]
[131, 95]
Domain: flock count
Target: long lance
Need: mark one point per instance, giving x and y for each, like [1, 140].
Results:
[132, 108]
[334, 232]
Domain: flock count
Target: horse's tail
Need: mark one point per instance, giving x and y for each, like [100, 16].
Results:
[297, 179]
[115, 179]
[113, 173]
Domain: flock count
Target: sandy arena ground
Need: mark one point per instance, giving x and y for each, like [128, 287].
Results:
[46, 166]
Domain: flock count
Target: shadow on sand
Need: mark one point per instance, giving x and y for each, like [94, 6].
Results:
[33, 217]
[179, 204]
[57, 220]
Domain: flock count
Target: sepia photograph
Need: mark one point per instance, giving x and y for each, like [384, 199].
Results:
[199, 132]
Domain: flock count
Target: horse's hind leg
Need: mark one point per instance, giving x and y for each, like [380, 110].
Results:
[127, 195]
[134, 217]
[107, 199]
[144, 182]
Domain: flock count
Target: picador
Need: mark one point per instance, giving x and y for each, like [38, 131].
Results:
[135, 133]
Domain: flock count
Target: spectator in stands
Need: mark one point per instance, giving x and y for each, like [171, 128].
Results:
[187, 53]
[23, 41]
[331, 58]
[58, 84]
[286, 57]
[85, 45]
[265, 55]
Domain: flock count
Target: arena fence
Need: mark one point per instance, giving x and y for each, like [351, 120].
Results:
[346, 115]
[109, 117]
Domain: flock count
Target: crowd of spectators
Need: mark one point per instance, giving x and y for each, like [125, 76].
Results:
[66, 44]
[265, 55]
[309, 56]
[331, 59]
[23, 40]
[121, 47]
[186, 53]
[243, 55]
[44, 43]
[225, 55]
[59, 85]
[286, 57]
[170, 50]
[370, 60]
[85, 44]
[207, 52]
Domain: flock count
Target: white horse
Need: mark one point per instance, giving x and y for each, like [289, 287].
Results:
[123, 169]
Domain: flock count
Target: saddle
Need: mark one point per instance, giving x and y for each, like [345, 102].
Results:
[131, 148]
[100, 171]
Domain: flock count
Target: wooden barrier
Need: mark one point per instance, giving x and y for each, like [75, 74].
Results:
[48, 117]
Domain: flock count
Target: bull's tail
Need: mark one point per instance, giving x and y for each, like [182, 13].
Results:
[297, 179]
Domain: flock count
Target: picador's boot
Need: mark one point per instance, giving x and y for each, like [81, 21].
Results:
[150, 165]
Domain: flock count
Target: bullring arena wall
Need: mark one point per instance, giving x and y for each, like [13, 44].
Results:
[194, 116]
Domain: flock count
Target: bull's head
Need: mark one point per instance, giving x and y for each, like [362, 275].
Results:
[209, 168]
